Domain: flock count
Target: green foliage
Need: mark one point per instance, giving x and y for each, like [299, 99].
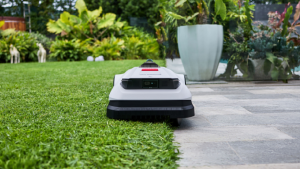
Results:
[189, 12]
[248, 14]
[238, 12]
[70, 50]
[133, 46]
[220, 9]
[281, 68]
[139, 8]
[109, 6]
[88, 24]
[140, 45]
[4, 51]
[40, 38]
[150, 49]
[277, 52]
[286, 21]
[110, 48]
[24, 43]
[27, 46]
[53, 115]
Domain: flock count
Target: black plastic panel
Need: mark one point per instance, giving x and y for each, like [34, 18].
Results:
[153, 83]
[150, 108]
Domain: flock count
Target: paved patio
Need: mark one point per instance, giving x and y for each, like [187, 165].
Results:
[242, 125]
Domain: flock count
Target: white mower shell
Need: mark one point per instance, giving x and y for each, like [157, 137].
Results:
[149, 92]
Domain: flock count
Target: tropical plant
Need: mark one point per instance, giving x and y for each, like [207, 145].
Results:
[109, 48]
[133, 46]
[27, 46]
[235, 50]
[40, 38]
[4, 51]
[139, 8]
[88, 24]
[146, 45]
[24, 43]
[280, 22]
[70, 50]
[150, 49]
[279, 54]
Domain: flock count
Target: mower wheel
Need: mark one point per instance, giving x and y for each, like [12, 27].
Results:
[176, 121]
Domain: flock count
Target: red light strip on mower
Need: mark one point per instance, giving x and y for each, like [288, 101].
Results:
[149, 69]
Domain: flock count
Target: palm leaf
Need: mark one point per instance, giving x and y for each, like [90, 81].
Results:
[107, 20]
[180, 3]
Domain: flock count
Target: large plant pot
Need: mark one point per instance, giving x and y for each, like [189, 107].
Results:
[200, 48]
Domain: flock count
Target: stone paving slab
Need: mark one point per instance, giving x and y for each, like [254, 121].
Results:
[224, 110]
[229, 134]
[293, 131]
[270, 151]
[276, 91]
[279, 109]
[261, 96]
[197, 121]
[208, 154]
[253, 166]
[242, 125]
[288, 119]
[219, 100]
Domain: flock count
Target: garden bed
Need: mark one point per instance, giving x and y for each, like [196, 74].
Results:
[54, 115]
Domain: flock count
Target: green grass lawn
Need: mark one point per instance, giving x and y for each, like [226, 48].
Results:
[53, 115]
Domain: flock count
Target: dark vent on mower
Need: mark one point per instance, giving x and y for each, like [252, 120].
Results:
[149, 63]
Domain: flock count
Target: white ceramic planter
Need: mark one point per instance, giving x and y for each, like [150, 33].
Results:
[200, 48]
[175, 65]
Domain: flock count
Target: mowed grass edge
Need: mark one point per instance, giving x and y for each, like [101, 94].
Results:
[53, 115]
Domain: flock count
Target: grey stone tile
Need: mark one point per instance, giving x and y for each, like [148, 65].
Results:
[251, 166]
[192, 122]
[228, 133]
[202, 89]
[273, 109]
[220, 110]
[261, 96]
[239, 88]
[277, 91]
[265, 152]
[202, 154]
[211, 100]
[288, 119]
[293, 131]
[231, 92]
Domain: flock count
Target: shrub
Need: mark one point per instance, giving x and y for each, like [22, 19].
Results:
[4, 51]
[140, 45]
[24, 43]
[132, 49]
[109, 47]
[40, 38]
[70, 50]
[27, 46]
[88, 24]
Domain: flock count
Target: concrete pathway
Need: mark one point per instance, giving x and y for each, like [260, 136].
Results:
[242, 125]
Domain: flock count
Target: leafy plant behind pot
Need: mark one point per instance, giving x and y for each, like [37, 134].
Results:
[88, 24]
[109, 48]
[70, 50]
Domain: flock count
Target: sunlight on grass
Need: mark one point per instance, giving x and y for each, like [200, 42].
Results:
[54, 115]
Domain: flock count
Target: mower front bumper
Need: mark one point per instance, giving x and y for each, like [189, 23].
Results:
[150, 109]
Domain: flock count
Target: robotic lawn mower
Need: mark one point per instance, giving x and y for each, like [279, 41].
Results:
[150, 92]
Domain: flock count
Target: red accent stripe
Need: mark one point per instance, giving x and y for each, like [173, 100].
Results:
[149, 69]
